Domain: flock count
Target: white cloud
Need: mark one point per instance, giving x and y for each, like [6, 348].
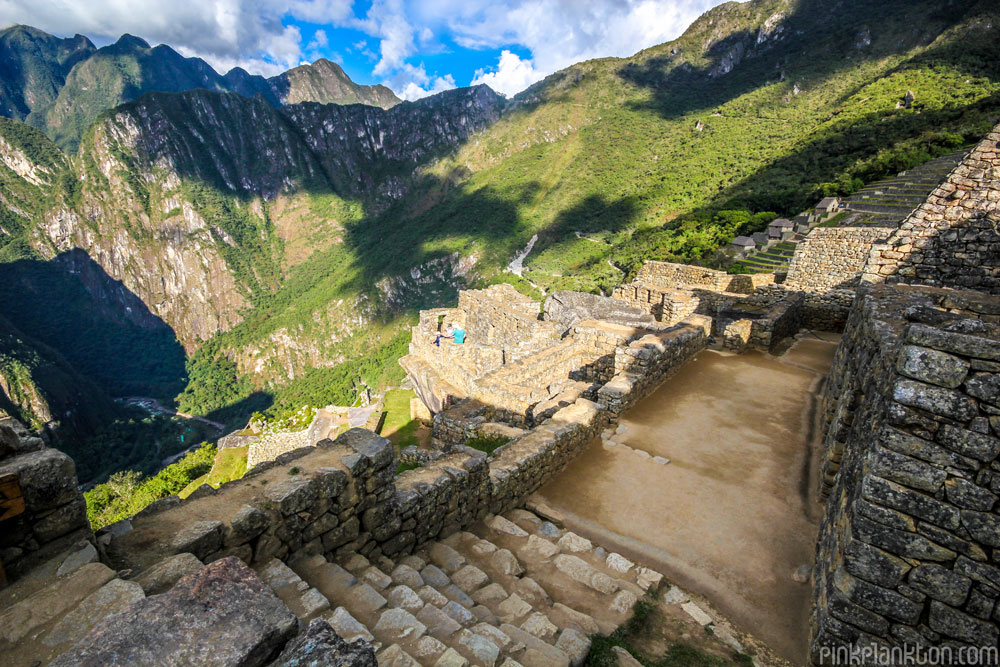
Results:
[226, 33]
[558, 33]
[252, 33]
[412, 82]
[512, 75]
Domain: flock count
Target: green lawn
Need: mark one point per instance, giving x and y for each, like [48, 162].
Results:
[229, 464]
[398, 427]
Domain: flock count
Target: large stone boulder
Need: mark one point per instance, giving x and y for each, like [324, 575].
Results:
[224, 614]
[319, 646]
[569, 308]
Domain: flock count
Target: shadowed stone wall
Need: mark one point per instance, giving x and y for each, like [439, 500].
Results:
[953, 239]
[909, 545]
[55, 514]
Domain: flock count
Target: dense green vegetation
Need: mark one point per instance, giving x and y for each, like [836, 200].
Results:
[128, 492]
[137, 441]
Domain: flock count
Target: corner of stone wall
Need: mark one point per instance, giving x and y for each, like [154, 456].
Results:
[910, 538]
[55, 513]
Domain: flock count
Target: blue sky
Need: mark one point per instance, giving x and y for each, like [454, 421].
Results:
[416, 47]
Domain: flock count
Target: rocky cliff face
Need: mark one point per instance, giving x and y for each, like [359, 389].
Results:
[182, 197]
[62, 85]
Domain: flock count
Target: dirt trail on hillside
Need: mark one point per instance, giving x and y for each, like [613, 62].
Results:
[731, 516]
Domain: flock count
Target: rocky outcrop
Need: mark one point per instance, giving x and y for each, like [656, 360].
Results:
[222, 615]
[569, 308]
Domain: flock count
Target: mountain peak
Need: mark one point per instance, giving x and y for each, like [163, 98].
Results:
[131, 42]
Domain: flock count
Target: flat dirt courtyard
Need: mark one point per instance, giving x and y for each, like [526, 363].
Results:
[731, 516]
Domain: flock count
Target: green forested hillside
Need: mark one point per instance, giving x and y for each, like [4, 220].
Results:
[333, 226]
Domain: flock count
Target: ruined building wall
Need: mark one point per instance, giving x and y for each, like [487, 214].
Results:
[343, 496]
[55, 514]
[827, 268]
[953, 238]
[909, 543]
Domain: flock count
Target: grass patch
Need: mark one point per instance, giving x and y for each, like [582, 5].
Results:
[229, 464]
[398, 427]
[487, 444]
[406, 465]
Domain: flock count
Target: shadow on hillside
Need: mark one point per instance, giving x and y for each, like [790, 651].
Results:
[101, 328]
[453, 216]
[750, 59]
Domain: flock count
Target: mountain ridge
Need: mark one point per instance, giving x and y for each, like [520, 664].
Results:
[288, 259]
[70, 82]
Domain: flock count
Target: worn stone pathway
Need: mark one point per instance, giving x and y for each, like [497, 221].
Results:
[514, 590]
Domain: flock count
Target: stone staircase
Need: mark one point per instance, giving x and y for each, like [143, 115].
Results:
[886, 203]
[513, 590]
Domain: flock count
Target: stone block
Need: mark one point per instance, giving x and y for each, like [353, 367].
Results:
[451, 658]
[319, 644]
[933, 366]
[483, 651]
[459, 613]
[399, 624]
[936, 400]
[983, 526]
[954, 623]
[246, 524]
[940, 583]
[439, 624]
[469, 578]
[506, 563]
[407, 576]
[294, 495]
[404, 597]
[199, 538]
[445, 558]
[967, 495]
[162, 576]
[969, 443]
[47, 478]
[178, 627]
[347, 626]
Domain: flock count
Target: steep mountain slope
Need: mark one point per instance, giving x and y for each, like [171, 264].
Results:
[327, 83]
[285, 247]
[41, 389]
[62, 85]
[33, 67]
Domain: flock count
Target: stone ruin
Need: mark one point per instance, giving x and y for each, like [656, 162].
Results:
[520, 365]
[326, 555]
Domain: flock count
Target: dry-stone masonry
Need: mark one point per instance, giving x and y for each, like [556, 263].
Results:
[953, 239]
[516, 367]
[909, 544]
[55, 514]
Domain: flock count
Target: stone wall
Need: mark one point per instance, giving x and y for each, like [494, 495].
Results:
[55, 514]
[831, 258]
[641, 366]
[501, 316]
[910, 539]
[270, 446]
[685, 276]
[343, 496]
[953, 238]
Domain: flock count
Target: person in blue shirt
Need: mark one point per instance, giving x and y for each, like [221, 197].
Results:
[459, 335]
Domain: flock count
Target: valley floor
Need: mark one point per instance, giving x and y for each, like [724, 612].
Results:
[729, 516]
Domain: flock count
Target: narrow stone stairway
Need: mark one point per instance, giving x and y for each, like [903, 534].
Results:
[513, 590]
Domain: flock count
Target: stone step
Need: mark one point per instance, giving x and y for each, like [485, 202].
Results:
[512, 590]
